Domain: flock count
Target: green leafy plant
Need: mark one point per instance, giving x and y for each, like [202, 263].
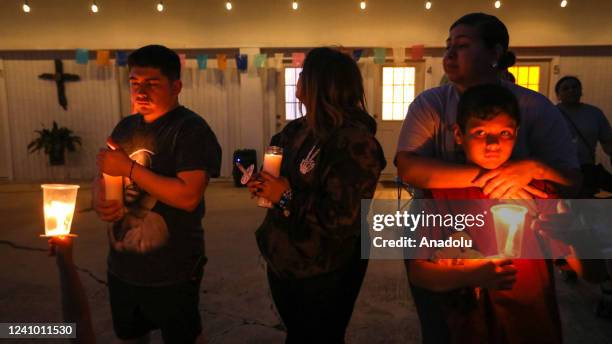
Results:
[54, 142]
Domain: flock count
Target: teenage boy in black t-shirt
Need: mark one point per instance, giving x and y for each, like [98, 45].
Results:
[166, 155]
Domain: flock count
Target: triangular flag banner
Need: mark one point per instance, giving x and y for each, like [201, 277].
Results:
[103, 58]
[242, 62]
[260, 60]
[379, 55]
[82, 56]
[183, 58]
[121, 58]
[399, 54]
[297, 59]
[221, 61]
[202, 61]
[416, 52]
[357, 54]
[278, 60]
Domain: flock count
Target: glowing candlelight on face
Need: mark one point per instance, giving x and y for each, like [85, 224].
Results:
[509, 220]
[272, 165]
[58, 205]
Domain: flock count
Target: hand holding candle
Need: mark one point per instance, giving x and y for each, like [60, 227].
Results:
[114, 161]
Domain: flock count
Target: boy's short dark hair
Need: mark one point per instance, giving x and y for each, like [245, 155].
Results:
[157, 56]
[486, 102]
[564, 79]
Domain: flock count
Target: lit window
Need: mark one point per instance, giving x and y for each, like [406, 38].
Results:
[527, 76]
[398, 92]
[292, 104]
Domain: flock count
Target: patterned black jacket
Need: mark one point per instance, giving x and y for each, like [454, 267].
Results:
[322, 230]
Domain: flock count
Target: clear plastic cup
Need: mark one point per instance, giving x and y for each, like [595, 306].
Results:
[59, 201]
[509, 220]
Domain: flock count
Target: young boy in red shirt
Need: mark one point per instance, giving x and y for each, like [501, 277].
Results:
[491, 300]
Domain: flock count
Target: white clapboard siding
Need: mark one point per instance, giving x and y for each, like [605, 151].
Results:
[93, 110]
[215, 95]
[595, 73]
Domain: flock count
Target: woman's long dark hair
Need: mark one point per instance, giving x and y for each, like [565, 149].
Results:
[331, 88]
[492, 31]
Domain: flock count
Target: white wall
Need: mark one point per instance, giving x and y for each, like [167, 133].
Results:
[595, 73]
[32, 103]
[6, 168]
[122, 24]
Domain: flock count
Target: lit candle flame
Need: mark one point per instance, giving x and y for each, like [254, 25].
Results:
[58, 218]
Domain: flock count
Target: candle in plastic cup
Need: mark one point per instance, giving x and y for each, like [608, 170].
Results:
[509, 221]
[272, 165]
[58, 205]
[113, 188]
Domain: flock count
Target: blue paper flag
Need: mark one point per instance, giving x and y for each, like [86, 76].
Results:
[242, 62]
[82, 56]
[357, 54]
[121, 58]
[202, 61]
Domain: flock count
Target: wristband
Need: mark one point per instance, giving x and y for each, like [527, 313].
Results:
[283, 203]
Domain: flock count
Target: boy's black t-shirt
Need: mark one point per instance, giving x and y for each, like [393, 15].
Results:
[155, 243]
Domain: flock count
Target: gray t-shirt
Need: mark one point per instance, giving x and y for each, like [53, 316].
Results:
[593, 126]
[543, 135]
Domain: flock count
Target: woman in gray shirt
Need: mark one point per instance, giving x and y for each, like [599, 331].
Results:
[427, 157]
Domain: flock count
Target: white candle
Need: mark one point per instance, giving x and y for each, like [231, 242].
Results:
[272, 165]
[113, 188]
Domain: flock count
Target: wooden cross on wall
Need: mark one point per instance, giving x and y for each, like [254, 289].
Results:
[60, 78]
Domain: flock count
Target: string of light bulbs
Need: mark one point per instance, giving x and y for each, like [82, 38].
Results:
[160, 7]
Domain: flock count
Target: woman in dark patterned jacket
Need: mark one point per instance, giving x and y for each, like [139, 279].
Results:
[311, 238]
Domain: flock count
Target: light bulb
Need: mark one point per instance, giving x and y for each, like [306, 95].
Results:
[26, 7]
[294, 5]
[497, 4]
[564, 3]
[362, 5]
[228, 5]
[428, 5]
[160, 6]
[94, 8]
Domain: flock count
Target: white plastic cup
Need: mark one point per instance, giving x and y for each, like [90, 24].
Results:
[509, 220]
[58, 205]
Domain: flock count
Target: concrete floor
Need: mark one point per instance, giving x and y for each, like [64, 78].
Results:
[235, 303]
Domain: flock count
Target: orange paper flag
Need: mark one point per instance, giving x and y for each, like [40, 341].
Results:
[222, 61]
[103, 58]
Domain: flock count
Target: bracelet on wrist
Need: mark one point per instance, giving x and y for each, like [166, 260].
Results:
[283, 203]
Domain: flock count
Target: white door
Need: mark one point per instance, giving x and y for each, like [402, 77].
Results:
[396, 86]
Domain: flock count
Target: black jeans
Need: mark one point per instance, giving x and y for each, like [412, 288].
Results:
[318, 309]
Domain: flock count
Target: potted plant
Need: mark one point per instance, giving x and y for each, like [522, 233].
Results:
[54, 142]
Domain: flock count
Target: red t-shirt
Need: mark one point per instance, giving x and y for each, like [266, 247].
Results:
[526, 314]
